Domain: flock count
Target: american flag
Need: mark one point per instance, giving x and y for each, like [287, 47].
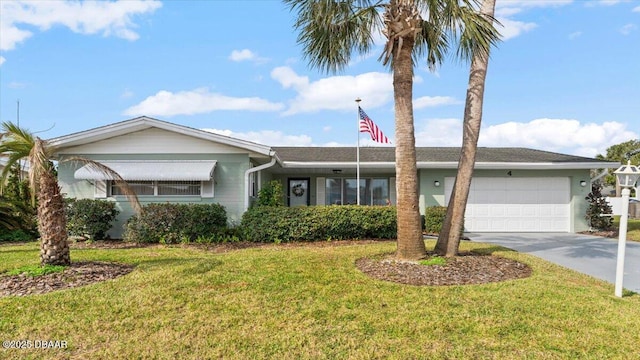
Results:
[367, 125]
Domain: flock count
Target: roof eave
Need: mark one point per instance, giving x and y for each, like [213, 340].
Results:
[142, 123]
[453, 165]
[335, 164]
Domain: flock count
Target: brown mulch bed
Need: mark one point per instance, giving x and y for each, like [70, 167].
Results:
[78, 274]
[465, 269]
[603, 233]
[469, 268]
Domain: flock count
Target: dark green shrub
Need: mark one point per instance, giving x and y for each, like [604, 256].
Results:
[598, 206]
[174, 223]
[434, 218]
[18, 235]
[90, 218]
[271, 194]
[310, 223]
[16, 208]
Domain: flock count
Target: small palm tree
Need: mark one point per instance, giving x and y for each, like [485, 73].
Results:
[17, 144]
[332, 30]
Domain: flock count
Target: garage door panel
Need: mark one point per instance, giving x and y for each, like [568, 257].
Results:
[530, 211]
[516, 204]
[498, 211]
[512, 210]
[478, 211]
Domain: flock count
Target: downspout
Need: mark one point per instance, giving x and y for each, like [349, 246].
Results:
[246, 178]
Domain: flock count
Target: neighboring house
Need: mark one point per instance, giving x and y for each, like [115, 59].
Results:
[24, 167]
[513, 190]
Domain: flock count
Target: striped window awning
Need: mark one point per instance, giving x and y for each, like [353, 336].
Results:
[160, 170]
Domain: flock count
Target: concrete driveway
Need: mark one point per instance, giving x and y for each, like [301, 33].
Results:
[591, 255]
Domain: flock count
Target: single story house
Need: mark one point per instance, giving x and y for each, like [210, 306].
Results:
[513, 190]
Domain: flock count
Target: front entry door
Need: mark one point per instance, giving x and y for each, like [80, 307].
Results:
[298, 193]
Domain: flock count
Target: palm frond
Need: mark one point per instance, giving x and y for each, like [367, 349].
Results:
[454, 22]
[109, 173]
[16, 144]
[332, 30]
[8, 215]
[478, 34]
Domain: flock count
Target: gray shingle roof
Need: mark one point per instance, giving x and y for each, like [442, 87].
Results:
[425, 154]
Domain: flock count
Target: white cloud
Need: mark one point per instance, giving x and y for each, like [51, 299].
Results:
[241, 55]
[636, 9]
[605, 2]
[627, 29]
[434, 101]
[522, 4]
[336, 92]
[246, 55]
[562, 135]
[89, 17]
[512, 28]
[439, 132]
[197, 101]
[575, 35]
[507, 9]
[2, 60]
[558, 135]
[267, 137]
[289, 79]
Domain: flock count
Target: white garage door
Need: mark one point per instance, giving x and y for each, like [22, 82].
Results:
[516, 204]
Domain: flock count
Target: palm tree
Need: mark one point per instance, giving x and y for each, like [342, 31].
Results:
[8, 218]
[332, 30]
[449, 238]
[18, 144]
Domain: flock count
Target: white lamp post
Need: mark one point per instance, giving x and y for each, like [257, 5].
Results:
[627, 175]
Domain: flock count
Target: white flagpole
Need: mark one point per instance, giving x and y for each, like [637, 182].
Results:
[358, 154]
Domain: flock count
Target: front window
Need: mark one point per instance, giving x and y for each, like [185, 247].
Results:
[174, 188]
[340, 191]
[139, 187]
[161, 188]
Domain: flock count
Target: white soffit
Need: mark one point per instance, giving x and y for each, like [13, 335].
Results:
[165, 170]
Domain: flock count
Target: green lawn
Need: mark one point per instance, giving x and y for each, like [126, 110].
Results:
[633, 228]
[284, 302]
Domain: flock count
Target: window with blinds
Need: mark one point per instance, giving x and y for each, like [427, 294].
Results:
[161, 188]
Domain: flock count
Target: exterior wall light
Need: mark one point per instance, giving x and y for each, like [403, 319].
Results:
[436, 183]
[583, 183]
[627, 175]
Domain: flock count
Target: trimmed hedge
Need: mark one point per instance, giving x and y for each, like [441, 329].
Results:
[310, 223]
[434, 218]
[90, 218]
[174, 223]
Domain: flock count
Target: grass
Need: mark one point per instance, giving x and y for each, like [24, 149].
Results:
[633, 228]
[434, 260]
[304, 302]
[36, 270]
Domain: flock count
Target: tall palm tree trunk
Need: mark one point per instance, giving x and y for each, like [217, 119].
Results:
[410, 241]
[449, 239]
[54, 249]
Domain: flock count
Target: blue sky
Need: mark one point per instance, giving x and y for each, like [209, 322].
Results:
[566, 77]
